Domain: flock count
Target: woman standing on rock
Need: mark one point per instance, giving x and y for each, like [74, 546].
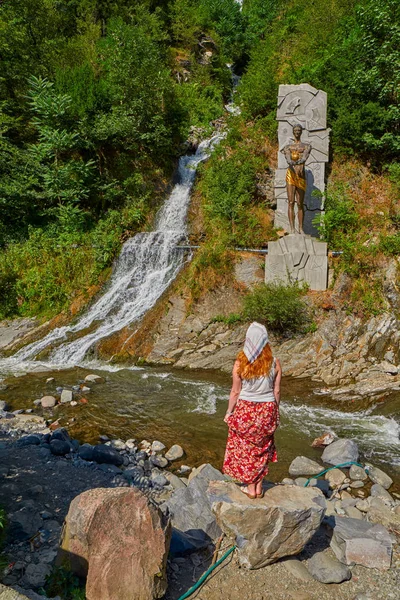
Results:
[253, 412]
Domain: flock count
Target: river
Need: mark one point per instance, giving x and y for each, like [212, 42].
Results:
[188, 407]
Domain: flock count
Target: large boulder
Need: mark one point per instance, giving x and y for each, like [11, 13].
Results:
[339, 452]
[190, 507]
[267, 529]
[302, 465]
[362, 543]
[119, 541]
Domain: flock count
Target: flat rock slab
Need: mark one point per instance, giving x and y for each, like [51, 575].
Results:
[340, 452]
[302, 465]
[120, 540]
[358, 542]
[269, 528]
[327, 569]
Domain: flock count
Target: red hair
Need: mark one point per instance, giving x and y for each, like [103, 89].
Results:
[261, 366]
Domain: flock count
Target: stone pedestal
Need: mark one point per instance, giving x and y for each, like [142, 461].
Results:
[302, 104]
[297, 258]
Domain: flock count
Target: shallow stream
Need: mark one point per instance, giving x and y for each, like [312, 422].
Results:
[188, 408]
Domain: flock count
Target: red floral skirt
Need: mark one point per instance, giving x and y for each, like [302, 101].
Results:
[250, 445]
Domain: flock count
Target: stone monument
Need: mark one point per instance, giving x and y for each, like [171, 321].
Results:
[299, 187]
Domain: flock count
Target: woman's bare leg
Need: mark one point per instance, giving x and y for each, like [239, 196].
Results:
[251, 488]
[259, 488]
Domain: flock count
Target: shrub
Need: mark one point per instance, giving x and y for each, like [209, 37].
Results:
[279, 306]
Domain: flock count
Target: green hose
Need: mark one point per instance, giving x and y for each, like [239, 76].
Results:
[206, 574]
[228, 552]
[346, 464]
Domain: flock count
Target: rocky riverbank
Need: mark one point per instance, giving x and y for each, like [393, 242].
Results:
[353, 538]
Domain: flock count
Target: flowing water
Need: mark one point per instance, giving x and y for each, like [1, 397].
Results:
[147, 265]
[188, 408]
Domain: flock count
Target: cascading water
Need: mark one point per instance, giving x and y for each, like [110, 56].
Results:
[147, 265]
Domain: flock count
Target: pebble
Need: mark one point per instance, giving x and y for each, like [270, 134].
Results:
[157, 446]
[174, 453]
[357, 473]
[357, 484]
[47, 401]
[93, 378]
[50, 380]
[184, 470]
[74, 403]
[85, 389]
[159, 461]
[66, 396]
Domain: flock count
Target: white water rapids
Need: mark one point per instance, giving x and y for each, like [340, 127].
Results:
[147, 265]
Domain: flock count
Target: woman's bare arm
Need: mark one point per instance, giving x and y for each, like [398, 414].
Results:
[277, 382]
[235, 391]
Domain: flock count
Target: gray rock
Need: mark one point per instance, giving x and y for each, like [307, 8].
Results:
[174, 453]
[378, 491]
[159, 461]
[175, 481]
[50, 380]
[59, 448]
[66, 396]
[340, 452]
[363, 505]
[302, 465]
[357, 473]
[110, 468]
[357, 484]
[297, 569]
[103, 454]
[29, 440]
[353, 512]
[86, 452]
[300, 481]
[278, 525]
[356, 541]
[159, 479]
[84, 389]
[327, 569]
[118, 445]
[27, 520]
[184, 470]
[287, 481]
[48, 401]
[378, 476]
[35, 574]
[157, 446]
[61, 434]
[3, 405]
[379, 512]
[190, 507]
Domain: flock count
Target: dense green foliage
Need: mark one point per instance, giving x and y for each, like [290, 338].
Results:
[62, 582]
[97, 96]
[279, 306]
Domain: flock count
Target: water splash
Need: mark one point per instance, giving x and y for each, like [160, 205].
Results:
[147, 265]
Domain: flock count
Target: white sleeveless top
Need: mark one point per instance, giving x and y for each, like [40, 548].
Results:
[259, 389]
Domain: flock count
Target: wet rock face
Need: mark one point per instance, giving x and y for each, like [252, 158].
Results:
[265, 530]
[120, 541]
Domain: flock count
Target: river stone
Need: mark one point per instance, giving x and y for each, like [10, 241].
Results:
[302, 465]
[157, 446]
[48, 401]
[356, 541]
[190, 507]
[66, 396]
[287, 481]
[335, 477]
[353, 512]
[278, 525]
[105, 454]
[297, 569]
[120, 541]
[59, 448]
[379, 491]
[339, 452]
[61, 434]
[363, 505]
[86, 452]
[118, 444]
[327, 569]
[174, 453]
[357, 484]
[29, 440]
[92, 378]
[378, 476]
[159, 461]
[357, 473]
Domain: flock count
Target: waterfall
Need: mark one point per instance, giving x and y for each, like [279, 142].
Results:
[147, 265]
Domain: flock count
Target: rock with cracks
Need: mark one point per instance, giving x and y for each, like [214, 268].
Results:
[339, 452]
[267, 529]
[120, 541]
[357, 542]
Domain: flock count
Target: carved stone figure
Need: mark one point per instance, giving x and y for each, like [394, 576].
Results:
[296, 155]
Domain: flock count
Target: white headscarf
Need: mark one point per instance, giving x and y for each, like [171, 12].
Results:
[256, 340]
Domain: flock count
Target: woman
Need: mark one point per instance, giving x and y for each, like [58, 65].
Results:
[253, 412]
